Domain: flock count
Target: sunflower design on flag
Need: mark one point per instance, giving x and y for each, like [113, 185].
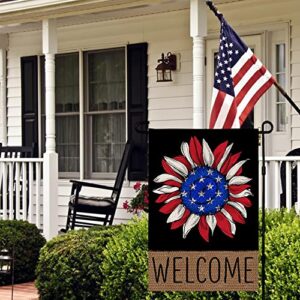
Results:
[204, 189]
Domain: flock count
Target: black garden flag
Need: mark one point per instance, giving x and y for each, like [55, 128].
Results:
[203, 211]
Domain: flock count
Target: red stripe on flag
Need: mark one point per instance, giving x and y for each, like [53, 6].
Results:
[244, 69]
[254, 99]
[216, 108]
[241, 95]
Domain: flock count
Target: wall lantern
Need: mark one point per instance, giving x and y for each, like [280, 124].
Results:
[165, 68]
[5, 262]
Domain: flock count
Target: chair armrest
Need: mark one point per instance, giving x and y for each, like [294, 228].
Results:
[93, 185]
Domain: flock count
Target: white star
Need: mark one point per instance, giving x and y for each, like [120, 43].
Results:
[228, 69]
[201, 194]
[225, 78]
[217, 74]
[218, 56]
[227, 85]
[230, 45]
[218, 81]
[184, 193]
[226, 62]
[226, 45]
[230, 59]
[201, 208]
[220, 64]
[221, 47]
[201, 179]
[230, 52]
[236, 52]
[218, 179]
[225, 186]
[218, 194]
[223, 55]
[222, 71]
[209, 186]
[193, 187]
[223, 38]
[193, 200]
[218, 207]
[210, 200]
[209, 172]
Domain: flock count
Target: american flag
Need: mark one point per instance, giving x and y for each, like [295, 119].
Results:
[240, 80]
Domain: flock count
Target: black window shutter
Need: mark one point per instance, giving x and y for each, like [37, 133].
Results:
[137, 109]
[29, 85]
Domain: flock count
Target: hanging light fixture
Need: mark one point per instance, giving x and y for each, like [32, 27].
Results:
[166, 66]
[5, 262]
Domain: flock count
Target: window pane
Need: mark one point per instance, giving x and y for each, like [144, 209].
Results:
[107, 142]
[281, 117]
[280, 58]
[67, 82]
[106, 71]
[67, 143]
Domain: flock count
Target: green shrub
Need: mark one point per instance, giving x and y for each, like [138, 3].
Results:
[125, 264]
[69, 265]
[26, 241]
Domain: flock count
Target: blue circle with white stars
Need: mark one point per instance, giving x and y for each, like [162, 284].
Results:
[204, 191]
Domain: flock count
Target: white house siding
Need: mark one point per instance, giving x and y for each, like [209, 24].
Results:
[170, 104]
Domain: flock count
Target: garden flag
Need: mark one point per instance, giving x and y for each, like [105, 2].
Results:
[203, 210]
[240, 80]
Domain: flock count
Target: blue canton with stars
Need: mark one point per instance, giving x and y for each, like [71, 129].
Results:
[230, 51]
[204, 191]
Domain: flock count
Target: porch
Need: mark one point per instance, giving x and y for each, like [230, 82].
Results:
[22, 189]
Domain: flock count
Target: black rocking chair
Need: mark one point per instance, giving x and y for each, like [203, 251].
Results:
[84, 211]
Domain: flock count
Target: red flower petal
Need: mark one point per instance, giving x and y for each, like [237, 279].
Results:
[164, 197]
[183, 160]
[236, 189]
[169, 207]
[223, 224]
[172, 183]
[235, 214]
[181, 221]
[203, 228]
[245, 201]
[196, 151]
[218, 153]
[168, 169]
[232, 159]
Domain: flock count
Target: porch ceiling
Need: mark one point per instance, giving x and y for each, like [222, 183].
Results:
[29, 11]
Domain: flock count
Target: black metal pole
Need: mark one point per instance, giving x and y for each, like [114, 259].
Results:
[263, 132]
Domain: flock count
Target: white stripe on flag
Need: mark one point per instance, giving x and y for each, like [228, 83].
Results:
[254, 68]
[258, 84]
[224, 111]
[239, 64]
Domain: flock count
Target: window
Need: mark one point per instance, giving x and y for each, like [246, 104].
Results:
[281, 118]
[113, 105]
[105, 109]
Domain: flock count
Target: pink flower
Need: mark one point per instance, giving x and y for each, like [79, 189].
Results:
[137, 186]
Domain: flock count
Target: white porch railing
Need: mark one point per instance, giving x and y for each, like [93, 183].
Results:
[274, 181]
[21, 189]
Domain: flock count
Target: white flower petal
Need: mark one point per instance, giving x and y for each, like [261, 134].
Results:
[185, 150]
[172, 198]
[234, 169]
[240, 207]
[239, 180]
[166, 189]
[177, 166]
[242, 194]
[229, 218]
[225, 155]
[191, 222]
[176, 214]
[212, 222]
[208, 156]
[165, 177]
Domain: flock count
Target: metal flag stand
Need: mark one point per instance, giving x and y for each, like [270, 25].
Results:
[263, 132]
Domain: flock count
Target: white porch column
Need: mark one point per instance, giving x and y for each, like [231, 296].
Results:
[3, 104]
[50, 175]
[198, 30]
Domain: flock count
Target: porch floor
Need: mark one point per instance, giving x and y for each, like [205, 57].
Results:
[23, 291]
